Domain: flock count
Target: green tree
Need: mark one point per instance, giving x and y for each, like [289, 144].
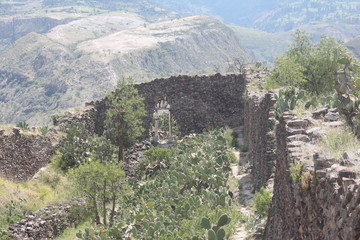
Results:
[124, 115]
[307, 65]
[100, 183]
[74, 149]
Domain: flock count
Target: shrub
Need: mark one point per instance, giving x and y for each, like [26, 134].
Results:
[244, 148]
[295, 170]
[100, 184]
[23, 125]
[155, 159]
[305, 180]
[309, 66]
[170, 205]
[262, 202]
[231, 137]
[73, 149]
[44, 130]
[286, 100]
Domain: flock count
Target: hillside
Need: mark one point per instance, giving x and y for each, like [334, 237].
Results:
[354, 46]
[45, 73]
[262, 46]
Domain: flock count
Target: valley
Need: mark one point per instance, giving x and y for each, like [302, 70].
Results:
[179, 120]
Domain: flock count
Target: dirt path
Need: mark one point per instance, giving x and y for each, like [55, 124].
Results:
[245, 196]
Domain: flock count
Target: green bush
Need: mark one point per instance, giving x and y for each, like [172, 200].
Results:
[44, 130]
[286, 100]
[155, 159]
[244, 148]
[101, 184]
[73, 150]
[23, 125]
[231, 138]
[295, 170]
[262, 202]
[309, 66]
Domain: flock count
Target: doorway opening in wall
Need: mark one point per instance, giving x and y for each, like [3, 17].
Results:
[164, 128]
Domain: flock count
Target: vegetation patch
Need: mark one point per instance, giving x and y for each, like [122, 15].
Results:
[338, 141]
[17, 199]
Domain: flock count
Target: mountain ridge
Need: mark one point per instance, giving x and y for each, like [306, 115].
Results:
[53, 76]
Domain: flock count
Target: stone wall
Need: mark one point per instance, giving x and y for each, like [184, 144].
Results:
[50, 221]
[21, 156]
[259, 136]
[322, 202]
[197, 103]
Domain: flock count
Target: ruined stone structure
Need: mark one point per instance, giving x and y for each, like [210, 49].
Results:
[50, 221]
[197, 103]
[259, 136]
[323, 203]
[21, 156]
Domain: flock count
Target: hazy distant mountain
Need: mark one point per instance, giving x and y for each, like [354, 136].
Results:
[354, 46]
[339, 18]
[83, 59]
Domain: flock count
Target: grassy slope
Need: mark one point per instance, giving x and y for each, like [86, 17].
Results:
[263, 46]
[50, 187]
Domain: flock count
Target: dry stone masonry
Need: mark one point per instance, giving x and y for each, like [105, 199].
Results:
[315, 196]
[259, 136]
[197, 103]
[21, 156]
[50, 221]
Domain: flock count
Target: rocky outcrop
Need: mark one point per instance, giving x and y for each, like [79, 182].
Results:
[50, 221]
[21, 156]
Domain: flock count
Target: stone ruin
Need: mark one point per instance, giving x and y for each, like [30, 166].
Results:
[327, 207]
[23, 155]
[197, 103]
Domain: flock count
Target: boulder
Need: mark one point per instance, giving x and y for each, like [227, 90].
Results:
[321, 161]
[294, 131]
[347, 173]
[332, 117]
[16, 131]
[298, 123]
[316, 132]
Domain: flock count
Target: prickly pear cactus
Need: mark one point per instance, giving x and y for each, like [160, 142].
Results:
[347, 86]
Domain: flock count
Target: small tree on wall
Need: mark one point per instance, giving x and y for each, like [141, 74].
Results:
[124, 115]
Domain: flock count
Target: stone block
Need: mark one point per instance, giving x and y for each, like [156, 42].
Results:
[321, 161]
[299, 137]
[298, 123]
[320, 113]
[16, 131]
[332, 117]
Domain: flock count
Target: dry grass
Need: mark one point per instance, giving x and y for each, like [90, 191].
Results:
[338, 141]
[8, 130]
[49, 188]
